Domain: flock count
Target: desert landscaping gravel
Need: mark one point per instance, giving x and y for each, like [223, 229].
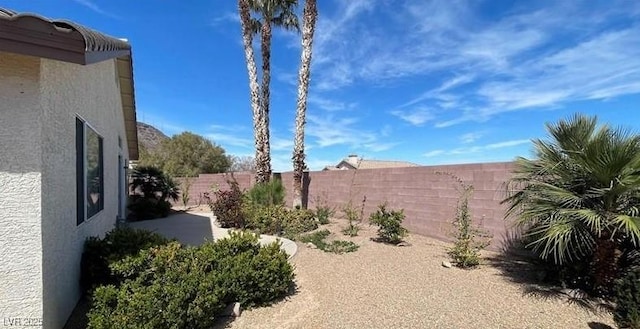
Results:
[384, 286]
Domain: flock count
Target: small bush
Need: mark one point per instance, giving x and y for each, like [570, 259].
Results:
[470, 239]
[323, 211]
[354, 217]
[389, 224]
[323, 214]
[279, 220]
[271, 193]
[337, 246]
[152, 190]
[148, 208]
[100, 254]
[175, 287]
[264, 219]
[298, 221]
[227, 206]
[627, 300]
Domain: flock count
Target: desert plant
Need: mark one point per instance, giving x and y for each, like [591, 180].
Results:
[117, 244]
[323, 210]
[627, 300]
[354, 217]
[469, 238]
[227, 206]
[389, 224]
[269, 193]
[318, 239]
[152, 190]
[278, 220]
[577, 201]
[184, 196]
[151, 183]
[176, 287]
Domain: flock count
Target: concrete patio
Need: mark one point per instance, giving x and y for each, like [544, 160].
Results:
[194, 228]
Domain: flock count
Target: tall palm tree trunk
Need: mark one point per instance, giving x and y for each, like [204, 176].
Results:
[254, 88]
[310, 15]
[266, 80]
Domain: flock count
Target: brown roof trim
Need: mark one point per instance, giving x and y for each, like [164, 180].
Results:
[62, 40]
[34, 35]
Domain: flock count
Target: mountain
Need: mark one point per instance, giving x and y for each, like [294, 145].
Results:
[149, 137]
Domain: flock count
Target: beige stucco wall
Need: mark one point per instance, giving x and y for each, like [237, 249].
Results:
[92, 92]
[40, 243]
[20, 197]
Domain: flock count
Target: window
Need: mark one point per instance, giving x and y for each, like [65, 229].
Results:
[89, 172]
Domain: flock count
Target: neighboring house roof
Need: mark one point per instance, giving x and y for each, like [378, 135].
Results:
[34, 35]
[353, 162]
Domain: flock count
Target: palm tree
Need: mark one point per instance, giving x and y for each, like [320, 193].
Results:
[248, 28]
[310, 15]
[579, 200]
[271, 13]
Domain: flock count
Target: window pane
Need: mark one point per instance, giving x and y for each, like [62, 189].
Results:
[95, 194]
[79, 171]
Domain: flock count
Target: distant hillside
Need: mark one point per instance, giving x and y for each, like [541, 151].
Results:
[149, 136]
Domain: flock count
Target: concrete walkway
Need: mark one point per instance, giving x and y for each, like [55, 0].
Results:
[194, 228]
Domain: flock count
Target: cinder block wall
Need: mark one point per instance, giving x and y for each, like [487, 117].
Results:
[428, 199]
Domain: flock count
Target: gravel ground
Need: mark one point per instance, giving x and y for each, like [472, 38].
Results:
[383, 286]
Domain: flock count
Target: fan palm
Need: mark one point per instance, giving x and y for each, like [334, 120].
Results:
[579, 199]
[270, 14]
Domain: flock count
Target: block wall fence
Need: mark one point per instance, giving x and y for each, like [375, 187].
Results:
[429, 199]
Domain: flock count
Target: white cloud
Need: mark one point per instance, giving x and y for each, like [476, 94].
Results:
[416, 117]
[94, 7]
[228, 17]
[529, 58]
[237, 136]
[477, 148]
[329, 104]
[470, 137]
[434, 153]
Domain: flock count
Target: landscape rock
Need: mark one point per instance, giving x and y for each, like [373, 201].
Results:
[403, 244]
[446, 264]
[233, 309]
[311, 245]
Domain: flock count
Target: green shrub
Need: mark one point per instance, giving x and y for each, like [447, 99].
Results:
[298, 221]
[148, 208]
[627, 300]
[227, 206]
[354, 217]
[323, 211]
[336, 246]
[264, 219]
[389, 224]
[100, 254]
[175, 287]
[278, 220]
[152, 190]
[271, 193]
[470, 239]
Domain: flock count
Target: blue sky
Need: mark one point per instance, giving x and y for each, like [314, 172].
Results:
[431, 82]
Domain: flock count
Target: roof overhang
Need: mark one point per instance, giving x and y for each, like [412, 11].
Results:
[33, 35]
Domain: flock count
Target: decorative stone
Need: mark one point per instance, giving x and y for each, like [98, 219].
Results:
[404, 244]
[233, 309]
[311, 245]
[446, 264]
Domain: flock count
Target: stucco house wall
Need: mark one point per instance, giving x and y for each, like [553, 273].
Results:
[92, 92]
[40, 209]
[20, 188]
